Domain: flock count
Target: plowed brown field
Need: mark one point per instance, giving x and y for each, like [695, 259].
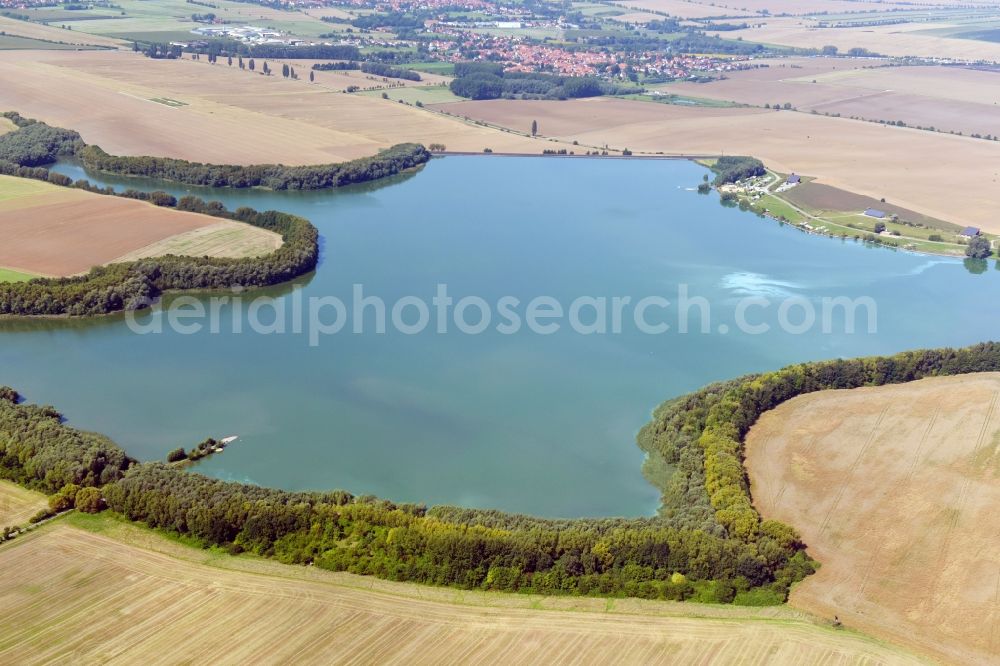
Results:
[56, 231]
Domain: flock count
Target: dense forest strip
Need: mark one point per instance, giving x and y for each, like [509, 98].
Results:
[36, 144]
[387, 163]
[707, 544]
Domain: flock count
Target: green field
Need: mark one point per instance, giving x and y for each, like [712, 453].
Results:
[60, 15]
[443, 68]
[7, 275]
[170, 20]
[780, 208]
[422, 94]
[11, 187]
[159, 37]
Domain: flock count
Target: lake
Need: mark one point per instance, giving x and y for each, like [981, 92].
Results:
[525, 422]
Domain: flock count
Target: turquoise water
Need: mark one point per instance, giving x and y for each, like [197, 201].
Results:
[542, 424]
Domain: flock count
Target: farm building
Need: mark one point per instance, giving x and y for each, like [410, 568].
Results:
[969, 232]
[794, 180]
[874, 212]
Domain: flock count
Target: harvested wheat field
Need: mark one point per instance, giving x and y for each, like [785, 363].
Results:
[57, 231]
[222, 239]
[66, 593]
[228, 115]
[753, 8]
[895, 490]
[11, 26]
[866, 158]
[18, 504]
[952, 99]
[907, 39]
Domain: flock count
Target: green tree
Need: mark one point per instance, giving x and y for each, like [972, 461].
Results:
[879, 227]
[89, 500]
[534, 127]
[65, 499]
[312, 76]
[177, 454]
[978, 248]
[284, 70]
[252, 65]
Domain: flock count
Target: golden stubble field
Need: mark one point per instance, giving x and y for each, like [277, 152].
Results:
[18, 504]
[231, 116]
[907, 39]
[57, 231]
[952, 99]
[70, 594]
[896, 492]
[752, 8]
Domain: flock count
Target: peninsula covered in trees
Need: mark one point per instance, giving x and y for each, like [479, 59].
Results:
[35, 144]
[387, 163]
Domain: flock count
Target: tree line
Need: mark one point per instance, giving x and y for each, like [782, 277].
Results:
[364, 535]
[336, 66]
[487, 80]
[35, 143]
[381, 69]
[386, 163]
[718, 549]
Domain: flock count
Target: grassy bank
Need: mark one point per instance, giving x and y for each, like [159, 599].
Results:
[7, 275]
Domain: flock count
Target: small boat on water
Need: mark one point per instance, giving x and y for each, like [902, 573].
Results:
[229, 440]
